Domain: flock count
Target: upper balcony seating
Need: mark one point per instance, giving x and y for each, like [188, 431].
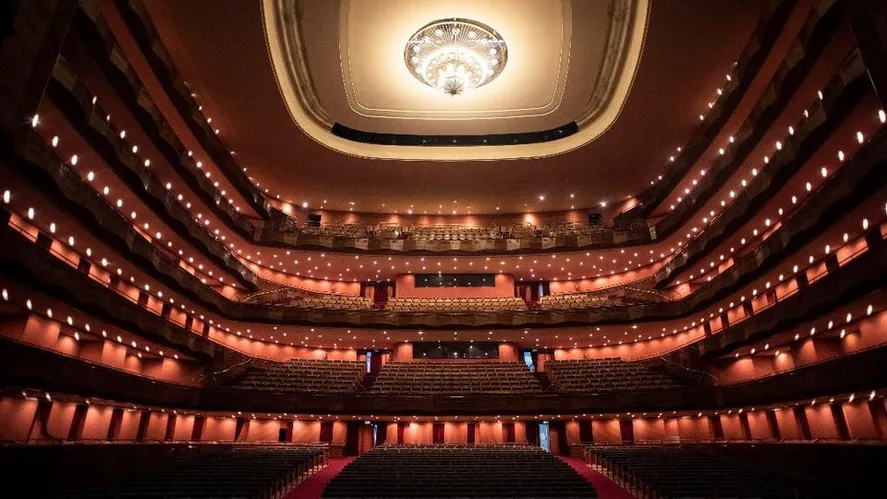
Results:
[450, 233]
[611, 297]
[455, 377]
[299, 298]
[303, 375]
[353, 231]
[737, 470]
[458, 471]
[454, 232]
[606, 375]
[568, 301]
[455, 304]
[159, 470]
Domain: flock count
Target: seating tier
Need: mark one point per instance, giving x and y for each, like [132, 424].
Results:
[159, 470]
[458, 471]
[455, 304]
[455, 377]
[738, 470]
[606, 375]
[303, 375]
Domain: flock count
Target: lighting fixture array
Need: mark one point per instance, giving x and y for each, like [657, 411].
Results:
[456, 55]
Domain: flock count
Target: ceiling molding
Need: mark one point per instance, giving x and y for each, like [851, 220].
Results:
[625, 42]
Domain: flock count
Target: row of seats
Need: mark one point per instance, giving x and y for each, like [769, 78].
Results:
[606, 375]
[303, 375]
[612, 297]
[458, 233]
[576, 300]
[510, 303]
[452, 232]
[157, 470]
[744, 471]
[298, 298]
[459, 471]
[455, 377]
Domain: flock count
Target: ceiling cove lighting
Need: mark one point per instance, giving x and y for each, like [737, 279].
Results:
[456, 55]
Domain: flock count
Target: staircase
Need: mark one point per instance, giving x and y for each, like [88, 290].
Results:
[367, 381]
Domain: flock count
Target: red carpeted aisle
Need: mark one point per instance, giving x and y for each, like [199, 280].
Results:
[312, 488]
[606, 488]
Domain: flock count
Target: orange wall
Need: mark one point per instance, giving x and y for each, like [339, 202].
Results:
[17, 416]
[98, 421]
[757, 425]
[406, 288]
[860, 421]
[869, 332]
[47, 333]
[630, 351]
[219, 428]
[402, 352]
[278, 351]
[788, 424]
[606, 431]
[455, 432]
[20, 422]
[692, 428]
[732, 427]
[315, 285]
[821, 421]
[649, 430]
[603, 282]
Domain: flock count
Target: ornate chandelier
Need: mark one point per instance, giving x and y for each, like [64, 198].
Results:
[456, 55]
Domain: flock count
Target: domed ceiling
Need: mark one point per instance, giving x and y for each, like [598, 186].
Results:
[616, 85]
[569, 68]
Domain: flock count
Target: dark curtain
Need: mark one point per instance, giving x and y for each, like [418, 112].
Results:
[400, 429]
[352, 438]
[508, 432]
[326, 432]
[559, 428]
[375, 362]
[471, 433]
[533, 433]
[627, 430]
[585, 431]
[437, 433]
[381, 294]
[381, 433]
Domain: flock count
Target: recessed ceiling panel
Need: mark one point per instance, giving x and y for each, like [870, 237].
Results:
[570, 64]
[379, 84]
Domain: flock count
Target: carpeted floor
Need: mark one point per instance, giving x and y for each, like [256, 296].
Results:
[312, 488]
[606, 488]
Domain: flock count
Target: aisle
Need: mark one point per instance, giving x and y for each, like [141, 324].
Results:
[312, 488]
[606, 488]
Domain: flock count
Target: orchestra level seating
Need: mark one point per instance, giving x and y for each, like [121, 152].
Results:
[160, 470]
[606, 375]
[455, 377]
[742, 470]
[458, 471]
[302, 375]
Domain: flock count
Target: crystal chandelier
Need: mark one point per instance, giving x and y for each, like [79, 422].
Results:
[456, 55]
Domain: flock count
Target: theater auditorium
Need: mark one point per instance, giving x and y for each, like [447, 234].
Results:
[303, 249]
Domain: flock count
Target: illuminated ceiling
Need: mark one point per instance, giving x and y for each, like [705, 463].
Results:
[568, 62]
[222, 53]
